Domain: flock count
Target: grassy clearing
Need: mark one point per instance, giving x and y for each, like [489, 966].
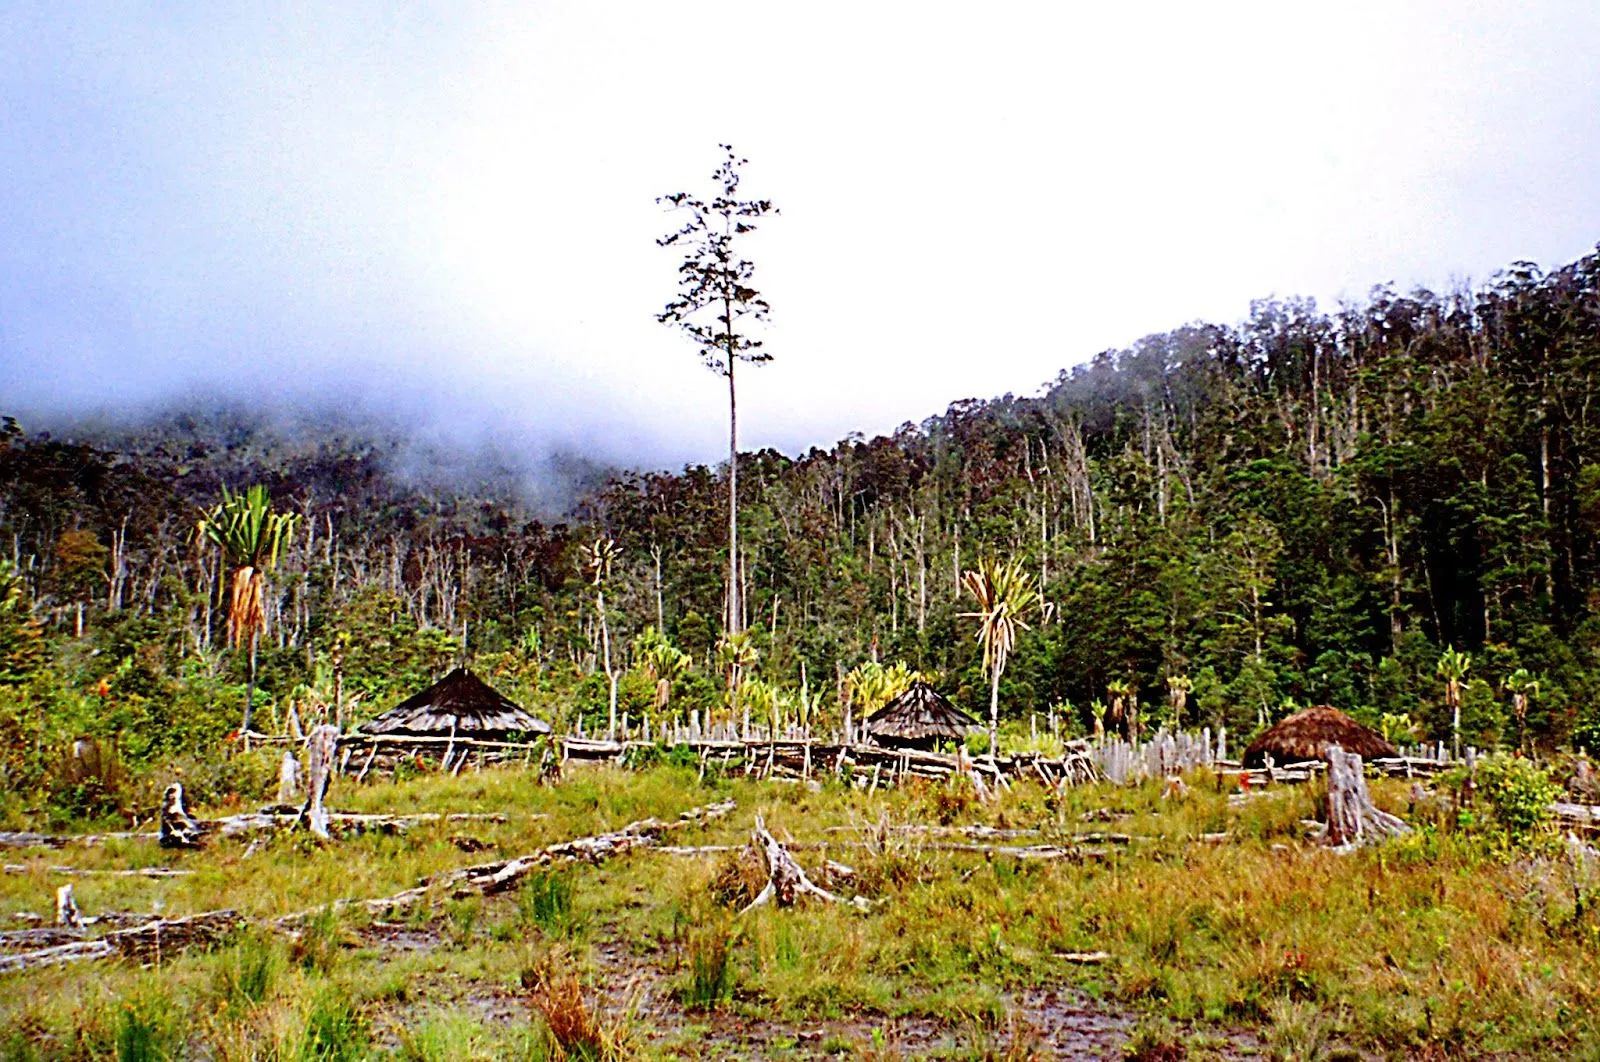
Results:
[1426, 945]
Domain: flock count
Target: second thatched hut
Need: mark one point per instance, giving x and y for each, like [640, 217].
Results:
[920, 718]
[458, 705]
[1306, 735]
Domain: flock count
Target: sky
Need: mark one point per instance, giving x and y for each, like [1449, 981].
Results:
[446, 212]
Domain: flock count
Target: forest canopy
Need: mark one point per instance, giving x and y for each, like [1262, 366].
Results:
[1307, 507]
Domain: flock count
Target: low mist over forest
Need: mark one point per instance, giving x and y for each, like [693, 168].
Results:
[1307, 507]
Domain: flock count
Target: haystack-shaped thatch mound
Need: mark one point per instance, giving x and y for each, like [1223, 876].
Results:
[460, 703]
[919, 718]
[1306, 735]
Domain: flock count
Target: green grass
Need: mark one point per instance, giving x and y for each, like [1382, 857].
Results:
[1429, 943]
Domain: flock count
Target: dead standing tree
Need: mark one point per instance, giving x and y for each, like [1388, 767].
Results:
[715, 300]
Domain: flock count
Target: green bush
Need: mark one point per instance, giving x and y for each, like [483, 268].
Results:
[711, 973]
[244, 776]
[88, 782]
[1510, 802]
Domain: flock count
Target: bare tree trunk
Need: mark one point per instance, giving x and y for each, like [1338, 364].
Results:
[611, 676]
[661, 612]
[250, 688]
[733, 617]
[178, 828]
[994, 711]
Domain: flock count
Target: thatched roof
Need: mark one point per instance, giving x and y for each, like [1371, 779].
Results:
[1306, 735]
[462, 701]
[921, 713]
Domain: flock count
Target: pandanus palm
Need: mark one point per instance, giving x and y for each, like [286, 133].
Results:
[871, 685]
[1453, 668]
[1178, 690]
[1005, 598]
[1123, 707]
[736, 656]
[662, 662]
[252, 539]
[1523, 688]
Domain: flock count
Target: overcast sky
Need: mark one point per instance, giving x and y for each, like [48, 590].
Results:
[450, 207]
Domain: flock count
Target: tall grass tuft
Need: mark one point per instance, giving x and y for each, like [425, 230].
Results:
[709, 950]
[546, 901]
[140, 1036]
[317, 948]
[245, 974]
[463, 917]
[335, 1030]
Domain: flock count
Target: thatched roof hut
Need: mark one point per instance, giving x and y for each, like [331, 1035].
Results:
[460, 703]
[1306, 735]
[919, 718]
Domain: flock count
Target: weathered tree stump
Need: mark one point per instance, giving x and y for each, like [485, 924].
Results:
[289, 778]
[320, 750]
[67, 913]
[786, 879]
[178, 827]
[1353, 820]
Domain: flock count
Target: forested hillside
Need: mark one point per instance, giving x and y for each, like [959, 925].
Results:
[1308, 507]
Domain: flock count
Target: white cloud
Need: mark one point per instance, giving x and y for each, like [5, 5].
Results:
[970, 200]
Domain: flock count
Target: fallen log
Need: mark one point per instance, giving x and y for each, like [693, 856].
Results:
[277, 818]
[159, 937]
[136, 872]
[957, 831]
[36, 939]
[62, 840]
[490, 878]
[1032, 851]
[1577, 816]
[149, 942]
[24, 839]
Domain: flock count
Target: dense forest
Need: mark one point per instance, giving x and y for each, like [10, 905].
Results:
[1230, 521]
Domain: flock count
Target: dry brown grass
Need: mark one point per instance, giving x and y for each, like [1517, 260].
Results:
[577, 1030]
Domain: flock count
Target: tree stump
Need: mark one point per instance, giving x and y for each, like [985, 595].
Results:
[178, 827]
[289, 778]
[67, 913]
[786, 879]
[1353, 820]
[320, 750]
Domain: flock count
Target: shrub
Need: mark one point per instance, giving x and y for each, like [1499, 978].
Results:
[321, 937]
[211, 781]
[738, 878]
[1510, 801]
[140, 1035]
[89, 782]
